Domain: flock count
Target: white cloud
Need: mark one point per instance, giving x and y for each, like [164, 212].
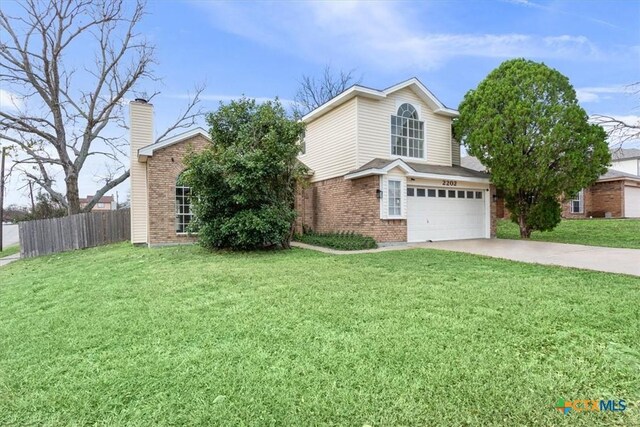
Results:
[595, 94]
[10, 100]
[381, 34]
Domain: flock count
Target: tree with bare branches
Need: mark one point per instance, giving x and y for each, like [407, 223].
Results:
[315, 91]
[620, 131]
[67, 110]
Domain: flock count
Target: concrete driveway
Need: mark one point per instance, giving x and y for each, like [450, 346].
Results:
[9, 235]
[611, 260]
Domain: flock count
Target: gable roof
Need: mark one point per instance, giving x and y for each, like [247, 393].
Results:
[625, 153]
[357, 90]
[147, 151]
[418, 170]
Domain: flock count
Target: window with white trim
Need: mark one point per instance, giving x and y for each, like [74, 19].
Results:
[577, 204]
[183, 206]
[395, 197]
[407, 133]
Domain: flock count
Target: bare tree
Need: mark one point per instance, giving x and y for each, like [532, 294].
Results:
[620, 131]
[69, 111]
[315, 91]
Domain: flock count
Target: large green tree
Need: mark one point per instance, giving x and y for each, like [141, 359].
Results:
[523, 122]
[243, 186]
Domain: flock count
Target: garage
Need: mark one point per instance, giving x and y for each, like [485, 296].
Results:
[445, 214]
[632, 202]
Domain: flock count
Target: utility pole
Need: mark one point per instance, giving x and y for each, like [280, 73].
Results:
[4, 153]
[33, 204]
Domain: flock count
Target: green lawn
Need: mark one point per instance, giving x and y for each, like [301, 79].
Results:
[14, 249]
[616, 233]
[178, 336]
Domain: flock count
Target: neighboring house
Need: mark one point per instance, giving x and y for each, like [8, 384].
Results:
[106, 203]
[616, 194]
[383, 163]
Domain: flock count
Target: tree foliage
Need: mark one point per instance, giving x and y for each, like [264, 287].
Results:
[243, 186]
[523, 122]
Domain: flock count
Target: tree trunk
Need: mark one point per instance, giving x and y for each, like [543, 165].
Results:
[525, 231]
[73, 196]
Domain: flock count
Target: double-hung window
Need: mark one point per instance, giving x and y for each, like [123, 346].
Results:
[395, 198]
[407, 133]
[577, 204]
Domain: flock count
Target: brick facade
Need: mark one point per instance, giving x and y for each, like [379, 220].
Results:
[163, 169]
[599, 199]
[338, 204]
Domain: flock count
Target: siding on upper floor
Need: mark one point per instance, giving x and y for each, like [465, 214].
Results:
[330, 143]
[374, 129]
[455, 152]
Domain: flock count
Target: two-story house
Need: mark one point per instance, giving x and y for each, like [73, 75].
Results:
[383, 163]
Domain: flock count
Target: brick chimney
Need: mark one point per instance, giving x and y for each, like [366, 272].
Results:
[141, 135]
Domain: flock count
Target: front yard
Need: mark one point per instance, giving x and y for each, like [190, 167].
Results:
[615, 233]
[122, 335]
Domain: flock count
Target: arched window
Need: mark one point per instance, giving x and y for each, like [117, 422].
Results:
[183, 206]
[407, 133]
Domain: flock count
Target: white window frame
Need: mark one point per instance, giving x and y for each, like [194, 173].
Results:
[179, 216]
[101, 205]
[399, 197]
[424, 133]
[580, 199]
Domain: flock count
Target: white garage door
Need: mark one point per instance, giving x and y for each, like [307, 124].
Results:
[444, 214]
[632, 202]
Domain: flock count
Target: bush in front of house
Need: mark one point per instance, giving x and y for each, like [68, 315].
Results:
[243, 185]
[346, 241]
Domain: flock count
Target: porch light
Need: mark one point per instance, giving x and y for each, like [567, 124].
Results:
[495, 197]
[379, 194]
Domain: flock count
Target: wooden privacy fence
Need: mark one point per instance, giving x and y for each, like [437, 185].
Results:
[85, 230]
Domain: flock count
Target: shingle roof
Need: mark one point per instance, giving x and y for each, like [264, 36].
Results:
[612, 173]
[625, 153]
[423, 168]
[471, 162]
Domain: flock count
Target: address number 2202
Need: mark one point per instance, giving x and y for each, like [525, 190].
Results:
[449, 183]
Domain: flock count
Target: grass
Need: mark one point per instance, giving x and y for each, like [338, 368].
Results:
[341, 241]
[178, 336]
[14, 249]
[615, 233]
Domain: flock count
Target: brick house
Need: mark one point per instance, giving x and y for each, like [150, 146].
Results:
[616, 194]
[383, 163]
[106, 203]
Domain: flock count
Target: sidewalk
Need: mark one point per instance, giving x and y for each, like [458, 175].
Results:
[596, 258]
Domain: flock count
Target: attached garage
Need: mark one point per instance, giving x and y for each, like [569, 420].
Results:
[632, 202]
[446, 214]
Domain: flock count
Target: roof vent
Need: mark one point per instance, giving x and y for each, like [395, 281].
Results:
[142, 100]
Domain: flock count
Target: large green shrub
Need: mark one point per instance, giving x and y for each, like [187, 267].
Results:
[243, 186]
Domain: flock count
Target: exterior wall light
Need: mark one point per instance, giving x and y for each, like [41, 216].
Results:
[379, 194]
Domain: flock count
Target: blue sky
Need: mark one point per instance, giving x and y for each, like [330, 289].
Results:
[262, 49]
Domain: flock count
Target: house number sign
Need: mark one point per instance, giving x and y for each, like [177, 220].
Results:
[449, 183]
